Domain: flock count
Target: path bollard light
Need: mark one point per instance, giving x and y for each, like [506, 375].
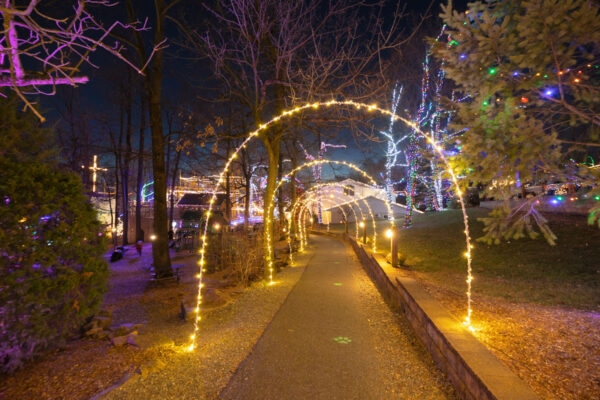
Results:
[364, 226]
[391, 234]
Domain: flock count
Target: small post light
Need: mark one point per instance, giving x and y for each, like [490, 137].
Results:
[364, 226]
[153, 237]
[391, 233]
[217, 226]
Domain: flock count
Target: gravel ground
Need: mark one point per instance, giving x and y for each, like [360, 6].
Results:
[410, 372]
[227, 335]
[335, 338]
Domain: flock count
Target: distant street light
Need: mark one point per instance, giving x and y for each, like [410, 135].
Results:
[153, 237]
[217, 226]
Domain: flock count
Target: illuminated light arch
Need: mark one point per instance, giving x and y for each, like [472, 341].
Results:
[310, 196]
[304, 205]
[271, 205]
[329, 104]
[311, 192]
[374, 224]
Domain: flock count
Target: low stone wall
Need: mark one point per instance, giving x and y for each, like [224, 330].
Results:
[473, 370]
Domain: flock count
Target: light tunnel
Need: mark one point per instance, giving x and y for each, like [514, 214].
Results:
[358, 106]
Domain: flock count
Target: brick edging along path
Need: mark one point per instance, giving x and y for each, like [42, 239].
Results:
[474, 371]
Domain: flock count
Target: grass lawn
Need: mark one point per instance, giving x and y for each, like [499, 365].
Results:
[524, 270]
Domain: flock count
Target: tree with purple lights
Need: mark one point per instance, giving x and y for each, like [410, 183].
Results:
[534, 80]
[52, 271]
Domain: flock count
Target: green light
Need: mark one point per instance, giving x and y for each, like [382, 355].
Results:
[559, 198]
[596, 197]
[492, 71]
[485, 103]
[342, 340]
[545, 75]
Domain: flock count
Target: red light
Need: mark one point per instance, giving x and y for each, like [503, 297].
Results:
[524, 99]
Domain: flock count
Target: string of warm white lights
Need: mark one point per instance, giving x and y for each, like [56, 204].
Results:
[315, 191]
[270, 202]
[366, 203]
[314, 106]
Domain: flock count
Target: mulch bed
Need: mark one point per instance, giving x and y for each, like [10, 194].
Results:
[555, 350]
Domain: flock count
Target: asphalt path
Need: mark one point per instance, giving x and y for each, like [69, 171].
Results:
[327, 341]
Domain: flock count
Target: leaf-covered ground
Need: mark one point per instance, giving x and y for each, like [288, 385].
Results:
[536, 306]
[86, 368]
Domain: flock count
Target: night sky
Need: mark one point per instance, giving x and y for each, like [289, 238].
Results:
[183, 77]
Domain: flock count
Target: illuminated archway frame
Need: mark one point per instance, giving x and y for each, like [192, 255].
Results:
[304, 205]
[301, 203]
[290, 174]
[329, 104]
[310, 194]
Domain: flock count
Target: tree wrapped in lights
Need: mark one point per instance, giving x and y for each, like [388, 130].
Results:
[44, 47]
[431, 116]
[534, 81]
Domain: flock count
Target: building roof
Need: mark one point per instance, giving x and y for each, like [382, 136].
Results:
[369, 199]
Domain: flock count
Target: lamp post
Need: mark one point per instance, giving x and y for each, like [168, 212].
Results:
[364, 226]
[391, 234]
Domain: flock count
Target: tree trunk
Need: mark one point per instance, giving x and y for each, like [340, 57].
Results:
[160, 246]
[127, 161]
[248, 179]
[280, 193]
[139, 234]
[172, 196]
[228, 184]
[272, 146]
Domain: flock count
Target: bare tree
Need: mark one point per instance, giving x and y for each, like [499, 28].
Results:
[275, 53]
[53, 42]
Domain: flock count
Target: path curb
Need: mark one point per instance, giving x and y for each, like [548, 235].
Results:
[475, 372]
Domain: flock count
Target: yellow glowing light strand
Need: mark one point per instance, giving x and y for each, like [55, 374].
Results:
[339, 205]
[351, 205]
[313, 192]
[284, 178]
[289, 239]
[304, 212]
[373, 223]
[368, 207]
[336, 205]
[329, 104]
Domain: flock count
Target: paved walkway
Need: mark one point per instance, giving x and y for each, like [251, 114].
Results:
[335, 338]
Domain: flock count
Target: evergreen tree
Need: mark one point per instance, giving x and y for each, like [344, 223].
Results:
[52, 273]
[531, 69]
